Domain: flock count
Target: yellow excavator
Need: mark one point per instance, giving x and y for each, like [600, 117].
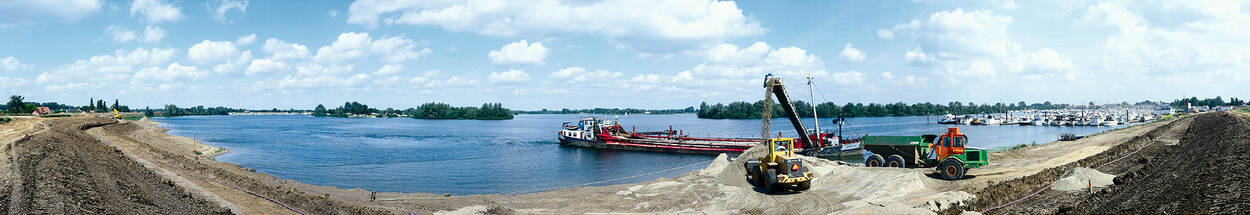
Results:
[780, 168]
[116, 114]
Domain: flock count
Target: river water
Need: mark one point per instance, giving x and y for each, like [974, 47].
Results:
[490, 157]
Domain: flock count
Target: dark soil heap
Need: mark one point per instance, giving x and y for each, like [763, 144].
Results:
[1206, 173]
[65, 171]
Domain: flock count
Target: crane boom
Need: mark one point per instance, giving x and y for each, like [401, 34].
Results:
[774, 87]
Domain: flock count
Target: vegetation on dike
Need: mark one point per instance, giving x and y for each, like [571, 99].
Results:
[744, 110]
[488, 111]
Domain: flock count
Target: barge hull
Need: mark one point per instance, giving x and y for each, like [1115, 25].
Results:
[564, 141]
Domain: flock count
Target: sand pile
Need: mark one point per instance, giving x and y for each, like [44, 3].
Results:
[1079, 179]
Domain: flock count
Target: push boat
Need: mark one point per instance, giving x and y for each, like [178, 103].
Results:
[594, 132]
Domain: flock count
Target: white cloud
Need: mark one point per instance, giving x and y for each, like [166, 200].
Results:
[885, 34]
[887, 75]
[10, 64]
[960, 33]
[848, 78]
[333, 13]
[153, 34]
[639, 22]
[1195, 37]
[156, 11]
[311, 75]
[850, 54]
[1044, 61]
[24, 12]
[119, 34]
[520, 52]
[281, 50]
[212, 52]
[1007, 5]
[219, 13]
[389, 69]
[102, 70]
[511, 76]
[264, 65]
[728, 61]
[245, 40]
[580, 75]
[174, 72]
[729, 53]
[353, 45]
[917, 57]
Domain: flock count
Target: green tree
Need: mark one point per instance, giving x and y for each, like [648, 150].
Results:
[115, 107]
[16, 105]
[320, 110]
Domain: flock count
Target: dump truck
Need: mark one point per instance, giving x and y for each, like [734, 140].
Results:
[778, 169]
[948, 152]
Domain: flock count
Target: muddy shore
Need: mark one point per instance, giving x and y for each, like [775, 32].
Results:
[170, 173]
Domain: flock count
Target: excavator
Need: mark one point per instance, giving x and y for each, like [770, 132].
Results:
[781, 167]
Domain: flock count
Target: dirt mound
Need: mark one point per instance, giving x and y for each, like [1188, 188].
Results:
[66, 171]
[1080, 179]
[1205, 173]
[1002, 193]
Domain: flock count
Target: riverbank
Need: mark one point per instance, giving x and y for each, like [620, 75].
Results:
[720, 187]
[839, 187]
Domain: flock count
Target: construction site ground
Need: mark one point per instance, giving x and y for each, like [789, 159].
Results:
[96, 165]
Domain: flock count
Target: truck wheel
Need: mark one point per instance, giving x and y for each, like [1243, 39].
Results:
[751, 175]
[895, 161]
[804, 185]
[771, 184]
[874, 161]
[951, 169]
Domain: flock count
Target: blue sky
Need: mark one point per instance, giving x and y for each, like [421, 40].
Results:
[616, 53]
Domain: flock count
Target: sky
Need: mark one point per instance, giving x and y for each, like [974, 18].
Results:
[651, 54]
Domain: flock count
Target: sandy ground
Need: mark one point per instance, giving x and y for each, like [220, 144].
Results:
[721, 187]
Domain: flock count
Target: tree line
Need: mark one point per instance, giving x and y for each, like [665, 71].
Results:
[611, 111]
[1209, 102]
[745, 110]
[488, 111]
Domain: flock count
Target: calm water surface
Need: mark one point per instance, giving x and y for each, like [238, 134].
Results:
[481, 157]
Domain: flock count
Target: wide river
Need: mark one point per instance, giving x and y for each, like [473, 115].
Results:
[489, 157]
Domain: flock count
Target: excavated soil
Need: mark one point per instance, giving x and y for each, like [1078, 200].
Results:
[65, 171]
[1194, 165]
[246, 179]
[1206, 173]
[1000, 195]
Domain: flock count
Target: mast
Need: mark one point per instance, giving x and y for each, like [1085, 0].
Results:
[812, 92]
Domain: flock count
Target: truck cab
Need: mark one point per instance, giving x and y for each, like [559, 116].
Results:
[949, 152]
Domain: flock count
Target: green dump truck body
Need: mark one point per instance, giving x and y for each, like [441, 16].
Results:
[915, 150]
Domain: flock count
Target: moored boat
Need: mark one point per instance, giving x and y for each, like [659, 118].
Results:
[601, 133]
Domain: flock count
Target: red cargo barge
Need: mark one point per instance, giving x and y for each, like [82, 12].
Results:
[606, 134]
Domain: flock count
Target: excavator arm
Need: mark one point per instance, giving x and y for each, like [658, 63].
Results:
[774, 87]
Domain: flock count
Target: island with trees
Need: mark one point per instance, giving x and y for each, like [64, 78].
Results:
[488, 111]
